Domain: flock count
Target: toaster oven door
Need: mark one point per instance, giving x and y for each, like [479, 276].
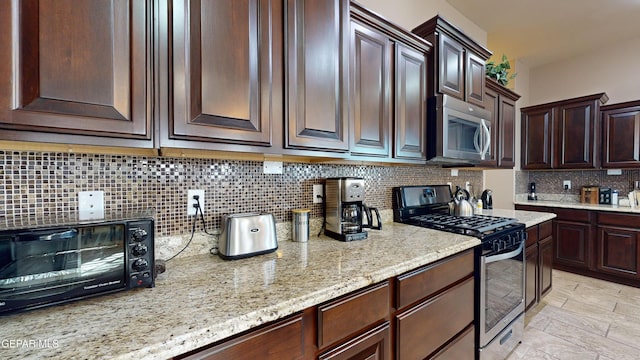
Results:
[48, 266]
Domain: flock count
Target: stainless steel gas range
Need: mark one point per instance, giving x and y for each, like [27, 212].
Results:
[499, 263]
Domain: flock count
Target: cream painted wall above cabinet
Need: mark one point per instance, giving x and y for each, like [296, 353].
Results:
[612, 68]
[411, 13]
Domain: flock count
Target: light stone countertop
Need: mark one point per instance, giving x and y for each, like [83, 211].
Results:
[201, 299]
[577, 205]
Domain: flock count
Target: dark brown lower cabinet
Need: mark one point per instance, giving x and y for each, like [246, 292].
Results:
[600, 244]
[425, 313]
[373, 345]
[281, 340]
[538, 262]
[618, 245]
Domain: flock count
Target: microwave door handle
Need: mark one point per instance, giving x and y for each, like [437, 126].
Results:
[476, 140]
[487, 143]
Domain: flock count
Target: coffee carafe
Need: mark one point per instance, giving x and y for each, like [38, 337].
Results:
[344, 208]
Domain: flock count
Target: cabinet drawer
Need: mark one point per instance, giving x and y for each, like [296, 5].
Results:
[284, 340]
[618, 219]
[532, 235]
[573, 215]
[424, 282]
[461, 348]
[545, 229]
[348, 315]
[426, 327]
[374, 344]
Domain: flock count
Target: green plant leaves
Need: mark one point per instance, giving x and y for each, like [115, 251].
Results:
[499, 72]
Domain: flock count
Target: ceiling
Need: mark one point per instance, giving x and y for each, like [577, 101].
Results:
[538, 32]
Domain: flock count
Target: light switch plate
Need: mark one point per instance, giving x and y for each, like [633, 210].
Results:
[90, 205]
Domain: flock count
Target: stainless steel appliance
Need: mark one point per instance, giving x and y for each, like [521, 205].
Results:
[499, 259]
[487, 199]
[53, 264]
[459, 133]
[532, 192]
[245, 235]
[345, 209]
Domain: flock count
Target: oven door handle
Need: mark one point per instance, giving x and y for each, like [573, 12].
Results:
[510, 254]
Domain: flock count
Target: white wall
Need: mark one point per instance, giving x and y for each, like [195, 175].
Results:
[411, 13]
[611, 68]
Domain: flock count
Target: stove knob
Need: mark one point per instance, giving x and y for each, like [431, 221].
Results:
[140, 264]
[139, 235]
[139, 250]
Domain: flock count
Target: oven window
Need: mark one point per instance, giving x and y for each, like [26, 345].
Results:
[504, 289]
[60, 258]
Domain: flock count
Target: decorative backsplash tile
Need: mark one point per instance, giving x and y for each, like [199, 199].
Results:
[45, 185]
[550, 182]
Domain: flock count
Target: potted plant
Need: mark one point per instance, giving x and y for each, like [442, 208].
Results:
[500, 72]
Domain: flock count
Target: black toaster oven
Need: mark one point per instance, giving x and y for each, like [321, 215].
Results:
[41, 266]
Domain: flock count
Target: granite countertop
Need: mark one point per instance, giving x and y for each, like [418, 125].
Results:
[578, 205]
[201, 299]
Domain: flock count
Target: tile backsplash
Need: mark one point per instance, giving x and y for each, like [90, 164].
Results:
[550, 182]
[39, 184]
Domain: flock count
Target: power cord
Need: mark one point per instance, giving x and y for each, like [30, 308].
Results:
[193, 227]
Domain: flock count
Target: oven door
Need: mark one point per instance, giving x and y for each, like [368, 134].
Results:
[43, 267]
[501, 290]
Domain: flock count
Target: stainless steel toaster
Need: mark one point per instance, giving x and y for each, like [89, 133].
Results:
[245, 235]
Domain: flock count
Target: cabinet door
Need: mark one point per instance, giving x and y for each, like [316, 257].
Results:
[370, 102]
[575, 136]
[621, 138]
[317, 53]
[463, 347]
[573, 244]
[474, 79]
[545, 265]
[410, 103]
[222, 70]
[618, 251]
[506, 133]
[451, 67]
[374, 345]
[536, 139]
[77, 67]
[531, 276]
[492, 104]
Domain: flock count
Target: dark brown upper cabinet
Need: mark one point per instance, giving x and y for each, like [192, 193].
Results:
[370, 96]
[225, 71]
[501, 102]
[76, 72]
[388, 89]
[621, 135]
[563, 134]
[317, 74]
[459, 61]
[410, 104]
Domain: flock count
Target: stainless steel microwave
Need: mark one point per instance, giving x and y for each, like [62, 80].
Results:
[457, 132]
[41, 266]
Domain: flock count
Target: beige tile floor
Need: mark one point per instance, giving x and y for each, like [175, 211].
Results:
[583, 319]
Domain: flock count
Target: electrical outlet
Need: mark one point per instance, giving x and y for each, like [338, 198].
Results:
[90, 205]
[566, 184]
[191, 202]
[317, 194]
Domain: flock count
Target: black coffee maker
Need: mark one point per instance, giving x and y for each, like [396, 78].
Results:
[345, 210]
[487, 199]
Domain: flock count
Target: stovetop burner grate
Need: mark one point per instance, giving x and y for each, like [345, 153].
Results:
[477, 225]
